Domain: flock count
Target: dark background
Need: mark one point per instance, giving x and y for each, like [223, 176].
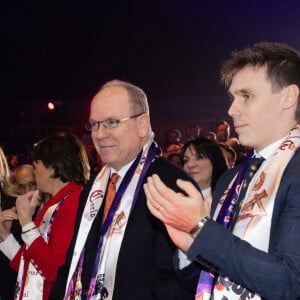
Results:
[63, 51]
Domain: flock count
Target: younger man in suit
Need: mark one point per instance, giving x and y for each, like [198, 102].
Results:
[248, 246]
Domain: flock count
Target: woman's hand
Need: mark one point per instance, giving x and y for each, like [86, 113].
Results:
[6, 218]
[26, 205]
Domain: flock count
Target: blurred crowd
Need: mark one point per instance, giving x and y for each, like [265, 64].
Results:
[170, 141]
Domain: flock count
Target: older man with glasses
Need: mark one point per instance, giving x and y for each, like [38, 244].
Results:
[119, 250]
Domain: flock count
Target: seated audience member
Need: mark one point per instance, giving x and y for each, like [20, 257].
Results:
[61, 169]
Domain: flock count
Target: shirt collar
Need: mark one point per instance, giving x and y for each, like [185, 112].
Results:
[121, 172]
[206, 192]
[124, 169]
[269, 150]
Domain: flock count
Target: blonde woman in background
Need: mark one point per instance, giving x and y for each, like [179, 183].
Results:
[7, 200]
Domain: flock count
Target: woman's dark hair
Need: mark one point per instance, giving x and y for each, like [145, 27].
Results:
[65, 154]
[206, 148]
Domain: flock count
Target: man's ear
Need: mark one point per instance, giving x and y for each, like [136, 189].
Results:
[290, 96]
[143, 124]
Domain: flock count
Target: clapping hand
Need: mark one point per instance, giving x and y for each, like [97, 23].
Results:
[180, 213]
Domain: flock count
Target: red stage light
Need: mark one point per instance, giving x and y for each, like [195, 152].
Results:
[51, 106]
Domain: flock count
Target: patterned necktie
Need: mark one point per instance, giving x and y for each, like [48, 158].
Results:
[110, 195]
[252, 167]
[206, 279]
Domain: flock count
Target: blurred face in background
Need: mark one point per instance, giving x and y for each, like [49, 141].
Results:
[222, 133]
[198, 167]
[14, 161]
[25, 179]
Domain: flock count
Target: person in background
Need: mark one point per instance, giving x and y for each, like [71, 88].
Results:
[248, 245]
[175, 137]
[94, 159]
[61, 169]
[25, 179]
[174, 158]
[6, 187]
[203, 160]
[119, 250]
[195, 132]
[229, 154]
[26, 182]
[172, 149]
[7, 200]
[174, 142]
[210, 135]
[13, 164]
[235, 144]
[222, 131]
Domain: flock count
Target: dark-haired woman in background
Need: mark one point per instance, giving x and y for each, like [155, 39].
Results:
[61, 169]
[203, 160]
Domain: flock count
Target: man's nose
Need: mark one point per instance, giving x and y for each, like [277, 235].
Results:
[100, 132]
[233, 109]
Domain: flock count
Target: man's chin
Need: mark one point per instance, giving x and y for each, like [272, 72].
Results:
[106, 159]
[110, 161]
[245, 142]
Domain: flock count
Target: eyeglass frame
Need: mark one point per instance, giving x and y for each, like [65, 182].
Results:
[89, 127]
[24, 187]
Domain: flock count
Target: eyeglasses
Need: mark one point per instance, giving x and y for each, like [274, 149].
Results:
[23, 188]
[109, 123]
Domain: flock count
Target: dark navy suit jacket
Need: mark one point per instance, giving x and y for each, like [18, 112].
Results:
[274, 275]
[145, 264]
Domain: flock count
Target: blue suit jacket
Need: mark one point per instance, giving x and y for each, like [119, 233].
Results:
[273, 275]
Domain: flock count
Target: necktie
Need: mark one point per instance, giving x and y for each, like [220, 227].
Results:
[110, 195]
[206, 279]
[252, 167]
